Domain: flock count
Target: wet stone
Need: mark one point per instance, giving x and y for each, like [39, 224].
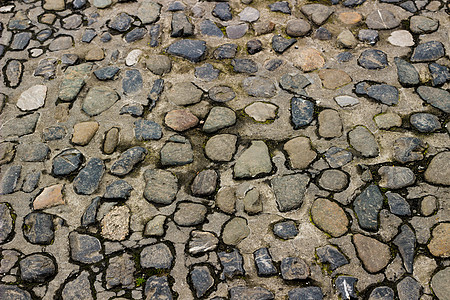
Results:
[120, 272]
[429, 51]
[177, 152]
[219, 118]
[285, 230]
[222, 10]
[408, 288]
[209, 28]
[156, 256]
[67, 162]
[425, 122]
[145, 130]
[293, 268]
[439, 243]
[398, 205]
[207, 72]
[221, 147]
[161, 186]
[312, 292]
[90, 214]
[373, 254]
[396, 177]
[289, 191]
[235, 231]
[190, 214]
[302, 112]
[373, 59]
[128, 160]
[382, 293]
[88, 179]
[205, 183]
[120, 22]
[332, 256]
[345, 286]
[256, 293]
[363, 141]
[407, 74]
[6, 223]
[181, 26]
[258, 86]
[158, 287]
[85, 248]
[264, 263]
[253, 162]
[406, 243]
[37, 268]
[118, 190]
[10, 179]
[38, 228]
[281, 44]
[99, 99]
[244, 65]
[282, 6]
[201, 242]
[201, 279]
[369, 36]
[31, 181]
[232, 264]
[382, 19]
[367, 206]
[20, 41]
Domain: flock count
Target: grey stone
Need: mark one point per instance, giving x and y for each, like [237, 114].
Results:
[373, 59]
[189, 214]
[88, 179]
[121, 22]
[20, 41]
[369, 36]
[205, 183]
[322, 34]
[264, 263]
[235, 231]
[302, 112]
[99, 99]
[289, 191]
[244, 65]
[9, 180]
[136, 34]
[155, 227]
[258, 86]
[222, 10]
[396, 177]
[13, 73]
[38, 228]
[398, 205]
[236, 31]
[409, 6]
[72, 21]
[136, 110]
[177, 152]
[318, 13]
[252, 202]
[61, 42]
[6, 223]
[149, 12]
[37, 268]
[157, 288]
[132, 82]
[154, 35]
[350, 3]
[345, 286]
[297, 28]
[440, 74]
[33, 152]
[221, 93]
[439, 283]
[145, 130]
[294, 268]
[207, 72]
[281, 44]
[209, 28]
[367, 206]
[232, 264]
[438, 98]
[69, 59]
[31, 181]
[128, 160]
[438, 170]
[21, 126]
[406, 243]
[249, 14]
[247, 293]
[281, 6]
[332, 256]
[67, 162]
[425, 122]
[294, 83]
[382, 293]
[273, 64]
[407, 74]
[409, 289]
[46, 68]
[363, 141]
[221, 147]
[78, 288]
[74, 80]
[429, 51]
[181, 27]
[161, 186]
[423, 24]
[333, 180]
[185, 93]
[88, 35]
[253, 162]
[102, 3]
[176, 6]
[219, 118]
[201, 242]
[310, 293]
[120, 272]
[337, 157]
[382, 19]
[254, 46]
[19, 21]
[225, 51]
[8, 261]
[201, 279]
[159, 64]
[90, 214]
[118, 190]
[156, 256]
[12, 292]
[85, 248]
[285, 230]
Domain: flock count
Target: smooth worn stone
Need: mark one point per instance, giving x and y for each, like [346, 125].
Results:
[219, 118]
[192, 50]
[190, 214]
[13, 73]
[438, 98]
[363, 141]
[177, 152]
[222, 10]
[158, 287]
[344, 57]
[256, 293]
[281, 6]
[261, 111]
[264, 263]
[32, 152]
[309, 59]
[254, 161]
[285, 230]
[429, 51]
[185, 93]
[373, 254]
[373, 59]
[318, 13]
[221, 147]
[221, 93]
[95, 54]
[367, 206]
[37, 268]
[128, 160]
[6, 223]
[121, 22]
[337, 157]
[428, 205]
[225, 51]
[62, 42]
[161, 186]
[133, 57]
[289, 191]
[382, 293]
[156, 256]
[249, 14]
[409, 6]
[401, 38]
[235, 231]
[201, 242]
[84, 248]
[136, 110]
[209, 28]
[346, 39]
[207, 72]
[44, 35]
[102, 3]
[406, 73]
[425, 122]
[135, 35]
[439, 244]
[88, 179]
[406, 243]
[423, 24]
[90, 214]
[345, 101]
[294, 83]
[155, 227]
[132, 82]
[350, 17]
[145, 130]
[115, 224]
[99, 99]
[439, 283]
[120, 272]
[334, 78]
[67, 162]
[19, 21]
[345, 286]
[181, 26]
[12, 292]
[438, 170]
[111, 140]
[409, 288]
[333, 180]
[258, 86]
[244, 65]
[254, 46]
[322, 34]
[54, 5]
[31, 181]
[297, 28]
[204, 183]
[396, 177]
[72, 22]
[236, 31]
[118, 190]
[440, 74]
[26, 126]
[330, 124]
[20, 41]
[329, 217]
[300, 153]
[226, 199]
[281, 44]
[49, 197]
[73, 82]
[148, 12]
[180, 119]
[84, 132]
[311, 292]
[88, 35]
[398, 205]
[369, 36]
[9, 259]
[294, 268]
[332, 256]
[302, 111]
[201, 279]
[382, 19]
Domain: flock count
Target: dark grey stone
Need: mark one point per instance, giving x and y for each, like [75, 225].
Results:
[256, 293]
[332, 256]
[429, 51]
[344, 56]
[345, 286]
[44, 35]
[88, 179]
[407, 74]
[161, 186]
[69, 59]
[176, 6]
[425, 122]
[306, 293]
[118, 190]
[54, 133]
[209, 28]
[352, 3]
[67, 162]
[264, 263]
[77, 4]
[6, 223]
[281, 44]
[222, 11]
[121, 22]
[154, 34]
[282, 6]
[10, 179]
[398, 205]
[84, 248]
[232, 264]
[20, 41]
[145, 130]
[254, 46]
[201, 279]
[128, 160]
[373, 59]
[12, 292]
[294, 268]
[13, 73]
[134, 110]
[2, 50]
[289, 191]
[322, 34]
[440, 74]
[106, 37]
[382, 293]
[406, 243]
[205, 183]
[207, 72]
[407, 149]
[285, 230]
[177, 152]
[88, 35]
[37, 268]
[438, 98]
[157, 288]
[136, 34]
[156, 256]
[409, 6]
[90, 214]
[33, 152]
[273, 64]
[409, 289]
[244, 65]
[46, 68]
[31, 181]
[302, 112]
[384, 93]
[106, 73]
[192, 50]
[132, 82]
[155, 92]
[294, 83]
[369, 36]
[38, 228]
[181, 27]
[225, 51]
[337, 157]
[367, 207]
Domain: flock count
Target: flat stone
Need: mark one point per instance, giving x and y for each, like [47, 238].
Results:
[67, 162]
[221, 147]
[232, 264]
[155, 227]
[318, 13]
[181, 26]
[256, 293]
[148, 12]
[73, 82]
[258, 86]
[119, 190]
[332, 256]
[90, 214]
[54, 5]
[128, 160]
[363, 141]
[369, 36]
[221, 93]
[62, 42]
[201, 279]
[244, 65]
[236, 31]
[396, 177]
[440, 74]
[289, 191]
[302, 112]
[192, 50]
[37, 268]
[226, 199]
[51, 196]
[334, 78]
[84, 248]
[401, 38]
[294, 268]
[39, 228]
[373, 254]
[438, 98]
[209, 28]
[146, 130]
[78, 288]
[382, 293]
[202, 242]
[264, 263]
[225, 51]
[189, 214]
[439, 244]
[345, 286]
[398, 205]
[350, 17]
[235, 231]
[345, 101]
[12, 292]
[329, 217]
[84, 132]
[254, 46]
[406, 73]
[13, 73]
[155, 31]
[31, 181]
[20, 41]
[99, 99]
[297, 28]
[88, 179]
[330, 124]
[382, 19]
[185, 93]
[429, 205]
[294, 83]
[254, 161]
[222, 10]
[6, 223]
[367, 206]
[384, 93]
[207, 72]
[95, 54]
[300, 153]
[132, 82]
[115, 224]
[102, 3]
[205, 183]
[312, 292]
[281, 44]
[134, 110]
[261, 111]
[333, 180]
[88, 35]
[346, 39]
[133, 57]
[423, 24]
[373, 59]
[111, 140]
[429, 51]
[120, 271]
[285, 230]
[281, 6]
[121, 22]
[156, 256]
[180, 119]
[219, 118]
[72, 21]
[309, 59]
[408, 288]
[438, 170]
[406, 243]
[26, 126]
[249, 14]
[135, 34]
[32, 152]
[158, 287]
[439, 283]
[177, 152]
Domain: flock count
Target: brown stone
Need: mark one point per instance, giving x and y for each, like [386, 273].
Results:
[54, 5]
[115, 224]
[440, 241]
[299, 152]
[309, 59]
[48, 19]
[180, 119]
[49, 197]
[226, 199]
[84, 132]
[111, 140]
[374, 254]
[329, 217]
[334, 78]
[350, 17]
[95, 54]
[263, 27]
[330, 124]
[438, 171]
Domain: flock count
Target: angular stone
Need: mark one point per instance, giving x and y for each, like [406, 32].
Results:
[201, 242]
[67, 162]
[258, 86]
[222, 10]
[21, 126]
[398, 205]
[158, 288]
[209, 28]
[148, 12]
[346, 39]
[406, 243]
[121, 22]
[219, 118]
[440, 74]
[106, 73]
[85, 248]
[120, 271]
[345, 286]
[363, 141]
[285, 230]
[373, 59]
[33, 98]
[256, 293]
[232, 264]
[132, 82]
[330, 124]
[156, 256]
[438, 170]
[99, 99]
[382, 293]
[337, 157]
[49, 197]
[318, 13]
[78, 288]
[244, 65]
[37, 268]
[302, 112]
[155, 227]
[145, 130]
[332, 256]
[90, 214]
[225, 51]
[201, 279]
[407, 74]
[135, 35]
[115, 224]
[236, 31]
[423, 24]
[294, 83]
[185, 93]
[177, 152]
[281, 6]
[299, 152]
[12, 292]
[281, 44]
[369, 36]
[192, 50]
[373, 254]
[409, 289]
[205, 183]
[181, 27]
[74, 80]
[429, 51]
[438, 98]
[235, 231]
[10, 179]
[31, 181]
[345, 101]
[190, 214]
[159, 64]
[264, 263]
[118, 190]
[206, 72]
[334, 78]
[128, 160]
[439, 244]
[382, 19]
[253, 162]
[88, 179]
[6, 223]
[289, 191]
[161, 186]
[221, 93]
[367, 207]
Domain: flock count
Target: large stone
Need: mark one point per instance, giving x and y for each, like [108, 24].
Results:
[382, 293]
[202, 242]
[12, 292]
[374, 254]
[299, 152]
[78, 288]
[120, 271]
[258, 86]
[192, 50]
[334, 78]
[67, 162]
[115, 224]
[407, 74]
[440, 242]
[329, 217]
[330, 124]
[156, 256]
[184, 93]
[128, 160]
[177, 152]
[85, 248]
[247, 293]
[318, 13]
[145, 130]
[235, 231]
[289, 191]
[201, 279]
[33, 98]
[219, 118]
[88, 179]
[39, 228]
[180, 119]
[367, 206]
[148, 12]
[438, 170]
[253, 162]
[396, 177]
[363, 141]
[309, 59]
[429, 51]
[6, 223]
[439, 284]
[99, 99]
[409, 289]
[73, 82]
[190, 214]
[438, 98]
[382, 19]
[54, 5]
[33, 152]
[264, 263]
[161, 186]
[20, 127]
[226, 199]
[37, 268]
[373, 59]
[49, 197]
[332, 256]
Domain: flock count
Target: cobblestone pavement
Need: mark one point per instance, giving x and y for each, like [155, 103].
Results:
[244, 150]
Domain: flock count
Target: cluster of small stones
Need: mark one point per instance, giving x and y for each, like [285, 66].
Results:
[158, 149]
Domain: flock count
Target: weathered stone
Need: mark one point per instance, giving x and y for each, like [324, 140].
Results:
[398, 205]
[225, 51]
[299, 152]
[67, 162]
[222, 10]
[302, 112]
[439, 283]
[156, 256]
[84, 132]
[185, 93]
[337, 157]
[332, 256]
[78, 288]
[49, 197]
[255, 161]
[409, 289]
[111, 140]
[309, 59]
[180, 119]
[281, 44]
[205, 183]
[13, 73]
[132, 82]
[382, 19]
[99, 99]
[90, 214]
[289, 191]
[440, 242]
[258, 86]
[373, 59]
[190, 214]
[201, 242]
[161, 186]
[401, 38]
[235, 231]
[219, 118]
[192, 50]
[38, 228]
[128, 160]
[85, 248]
[145, 130]
[159, 64]
[232, 264]
[177, 152]
[346, 39]
[429, 51]
[158, 287]
[120, 271]
[438, 171]
[201, 279]
[297, 28]
[294, 83]
[333, 180]
[6, 223]
[264, 263]
[148, 12]
[31, 181]
[330, 217]
[74, 80]
[12, 292]
[363, 141]
[345, 286]
[256, 293]
[119, 189]
[285, 230]
[155, 227]
[252, 202]
[334, 78]
[330, 124]
[293, 268]
[373, 254]
[382, 293]
[367, 206]
[438, 98]
[37, 268]
[88, 179]
[406, 243]
[21, 126]
[396, 177]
